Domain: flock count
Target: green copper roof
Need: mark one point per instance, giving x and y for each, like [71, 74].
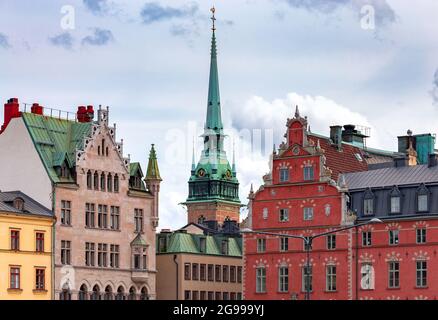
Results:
[136, 177]
[214, 118]
[153, 172]
[56, 141]
[180, 242]
[139, 241]
[134, 167]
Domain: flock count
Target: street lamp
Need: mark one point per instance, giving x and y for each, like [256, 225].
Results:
[308, 241]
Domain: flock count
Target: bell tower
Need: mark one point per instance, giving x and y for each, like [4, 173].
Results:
[213, 185]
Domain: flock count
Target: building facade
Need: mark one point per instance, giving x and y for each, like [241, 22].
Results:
[25, 248]
[197, 265]
[106, 215]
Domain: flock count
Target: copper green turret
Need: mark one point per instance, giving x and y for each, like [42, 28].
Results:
[153, 172]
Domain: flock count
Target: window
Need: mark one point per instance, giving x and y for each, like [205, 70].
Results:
[421, 274]
[283, 279]
[331, 242]
[65, 252]
[421, 235]
[366, 239]
[83, 293]
[132, 294]
[138, 220]
[114, 255]
[422, 203]
[137, 261]
[96, 181]
[102, 182]
[239, 274]
[217, 296]
[260, 280]
[232, 274]
[307, 278]
[225, 296]
[284, 174]
[284, 244]
[367, 276]
[90, 215]
[331, 278]
[195, 271]
[203, 272]
[308, 213]
[120, 294]
[96, 293]
[116, 183]
[144, 294]
[195, 295]
[14, 278]
[368, 207]
[203, 295]
[393, 237]
[225, 273]
[65, 213]
[109, 185]
[40, 279]
[108, 293]
[187, 295]
[395, 204]
[224, 247]
[394, 274]
[89, 180]
[90, 252]
[162, 244]
[102, 218]
[115, 218]
[15, 240]
[217, 273]
[210, 272]
[210, 295]
[284, 215]
[187, 267]
[145, 260]
[261, 245]
[203, 244]
[39, 242]
[308, 173]
[102, 254]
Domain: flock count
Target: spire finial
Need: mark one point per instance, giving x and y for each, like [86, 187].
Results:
[234, 157]
[297, 112]
[193, 156]
[213, 18]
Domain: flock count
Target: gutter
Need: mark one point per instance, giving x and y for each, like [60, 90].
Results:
[177, 280]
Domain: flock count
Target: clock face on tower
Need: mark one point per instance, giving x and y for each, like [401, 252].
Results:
[201, 173]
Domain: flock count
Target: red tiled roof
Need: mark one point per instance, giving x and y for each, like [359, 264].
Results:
[343, 161]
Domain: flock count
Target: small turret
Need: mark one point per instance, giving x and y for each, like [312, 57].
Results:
[153, 180]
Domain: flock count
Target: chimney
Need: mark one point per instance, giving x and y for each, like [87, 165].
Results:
[36, 109]
[433, 161]
[351, 135]
[12, 110]
[336, 136]
[90, 113]
[81, 115]
[400, 162]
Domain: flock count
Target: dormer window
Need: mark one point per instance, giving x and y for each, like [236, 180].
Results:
[284, 174]
[224, 247]
[368, 203]
[203, 245]
[395, 198]
[422, 199]
[19, 204]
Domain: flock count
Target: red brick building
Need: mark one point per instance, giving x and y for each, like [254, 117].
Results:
[312, 187]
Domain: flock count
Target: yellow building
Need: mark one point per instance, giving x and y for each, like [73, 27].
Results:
[25, 248]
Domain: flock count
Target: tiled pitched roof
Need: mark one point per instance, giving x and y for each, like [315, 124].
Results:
[342, 161]
[395, 176]
[56, 140]
[31, 207]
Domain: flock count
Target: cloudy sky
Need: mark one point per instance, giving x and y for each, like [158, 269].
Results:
[366, 62]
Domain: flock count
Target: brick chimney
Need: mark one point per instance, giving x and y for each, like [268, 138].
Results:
[36, 109]
[12, 110]
[85, 114]
[336, 136]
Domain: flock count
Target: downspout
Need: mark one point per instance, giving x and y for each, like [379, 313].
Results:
[53, 239]
[177, 276]
[356, 280]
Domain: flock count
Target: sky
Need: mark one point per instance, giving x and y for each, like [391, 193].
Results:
[372, 63]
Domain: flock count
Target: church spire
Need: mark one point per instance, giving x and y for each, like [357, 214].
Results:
[153, 173]
[214, 117]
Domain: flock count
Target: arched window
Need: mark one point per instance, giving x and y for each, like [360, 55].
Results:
[395, 200]
[83, 293]
[103, 147]
[120, 294]
[144, 294]
[116, 183]
[96, 293]
[89, 180]
[368, 203]
[108, 293]
[422, 199]
[96, 181]
[109, 186]
[132, 294]
[65, 295]
[107, 151]
[102, 182]
[98, 150]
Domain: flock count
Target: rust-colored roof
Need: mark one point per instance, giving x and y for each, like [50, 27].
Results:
[341, 161]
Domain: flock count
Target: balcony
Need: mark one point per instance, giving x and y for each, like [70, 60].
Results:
[139, 276]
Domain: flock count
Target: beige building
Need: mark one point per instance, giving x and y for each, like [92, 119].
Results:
[106, 214]
[195, 266]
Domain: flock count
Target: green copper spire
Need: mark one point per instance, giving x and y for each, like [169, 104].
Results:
[153, 173]
[214, 117]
